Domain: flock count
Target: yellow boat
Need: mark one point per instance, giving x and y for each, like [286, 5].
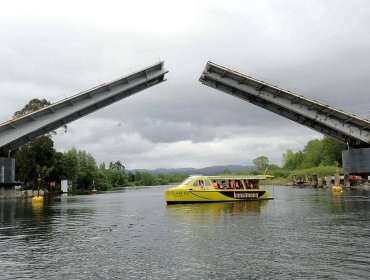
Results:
[217, 189]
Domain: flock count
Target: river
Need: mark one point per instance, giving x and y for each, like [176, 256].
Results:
[303, 233]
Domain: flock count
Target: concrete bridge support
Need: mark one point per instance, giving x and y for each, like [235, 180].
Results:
[357, 161]
[7, 170]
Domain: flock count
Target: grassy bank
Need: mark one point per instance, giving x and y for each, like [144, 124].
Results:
[283, 176]
[276, 181]
[321, 171]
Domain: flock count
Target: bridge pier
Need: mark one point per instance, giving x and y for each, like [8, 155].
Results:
[356, 161]
[7, 177]
[7, 170]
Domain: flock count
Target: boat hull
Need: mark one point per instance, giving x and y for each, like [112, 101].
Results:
[184, 195]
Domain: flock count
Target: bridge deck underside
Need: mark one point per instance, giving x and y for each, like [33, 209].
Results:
[17, 132]
[325, 119]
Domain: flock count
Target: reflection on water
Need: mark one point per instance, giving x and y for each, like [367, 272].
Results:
[221, 207]
[212, 212]
[132, 234]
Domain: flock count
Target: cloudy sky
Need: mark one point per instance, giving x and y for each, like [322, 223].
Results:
[53, 49]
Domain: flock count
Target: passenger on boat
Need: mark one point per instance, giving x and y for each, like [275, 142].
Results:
[246, 184]
[223, 185]
[231, 184]
[215, 184]
[201, 183]
[237, 184]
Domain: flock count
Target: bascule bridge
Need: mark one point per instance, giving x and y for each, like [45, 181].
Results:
[346, 128]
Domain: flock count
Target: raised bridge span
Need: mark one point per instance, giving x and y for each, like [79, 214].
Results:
[18, 131]
[345, 127]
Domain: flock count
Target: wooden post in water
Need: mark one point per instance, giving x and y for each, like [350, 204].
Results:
[319, 182]
[315, 180]
[346, 181]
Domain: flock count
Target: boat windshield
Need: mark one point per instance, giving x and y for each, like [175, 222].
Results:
[186, 181]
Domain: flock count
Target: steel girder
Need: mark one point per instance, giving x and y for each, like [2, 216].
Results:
[323, 118]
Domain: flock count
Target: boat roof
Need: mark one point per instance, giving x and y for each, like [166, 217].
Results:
[234, 177]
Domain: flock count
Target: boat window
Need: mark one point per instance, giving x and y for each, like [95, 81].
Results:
[198, 183]
[256, 184]
[207, 183]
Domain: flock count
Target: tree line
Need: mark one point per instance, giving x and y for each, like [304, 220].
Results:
[319, 156]
[39, 164]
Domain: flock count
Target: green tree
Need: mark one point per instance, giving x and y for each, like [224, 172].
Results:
[117, 165]
[261, 163]
[292, 160]
[87, 170]
[33, 105]
[313, 154]
[289, 160]
[317, 152]
[81, 168]
[26, 162]
[35, 160]
[116, 178]
[56, 174]
[332, 151]
[69, 165]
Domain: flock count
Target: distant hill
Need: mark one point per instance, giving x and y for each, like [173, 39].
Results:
[211, 170]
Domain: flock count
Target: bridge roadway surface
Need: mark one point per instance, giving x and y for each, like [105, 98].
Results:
[345, 127]
[19, 131]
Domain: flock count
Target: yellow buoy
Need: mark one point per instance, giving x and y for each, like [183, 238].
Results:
[336, 189]
[37, 199]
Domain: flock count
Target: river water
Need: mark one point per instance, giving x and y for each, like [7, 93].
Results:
[131, 234]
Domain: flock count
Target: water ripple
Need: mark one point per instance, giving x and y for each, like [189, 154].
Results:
[302, 234]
